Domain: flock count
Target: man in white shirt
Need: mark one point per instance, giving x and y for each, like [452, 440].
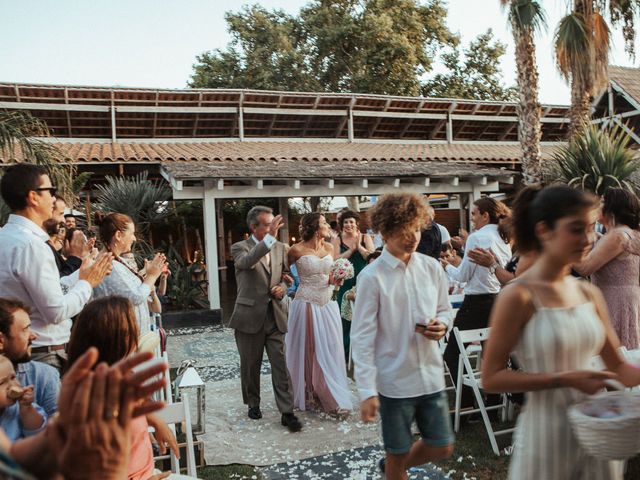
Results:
[402, 310]
[482, 285]
[28, 270]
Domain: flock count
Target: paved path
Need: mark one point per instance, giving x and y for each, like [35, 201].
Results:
[214, 350]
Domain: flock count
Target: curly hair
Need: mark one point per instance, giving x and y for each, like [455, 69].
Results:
[398, 213]
[309, 225]
[346, 215]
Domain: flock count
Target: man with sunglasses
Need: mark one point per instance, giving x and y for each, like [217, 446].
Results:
[28, 270]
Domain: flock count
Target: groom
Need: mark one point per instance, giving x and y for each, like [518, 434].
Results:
[259, 317]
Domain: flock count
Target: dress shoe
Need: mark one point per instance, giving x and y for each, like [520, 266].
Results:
[255, 413]
[290, 421]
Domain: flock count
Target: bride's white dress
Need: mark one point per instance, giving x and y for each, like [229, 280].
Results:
[315, 357]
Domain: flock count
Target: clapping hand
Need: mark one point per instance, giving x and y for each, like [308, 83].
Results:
[482, 256]
[94, 269]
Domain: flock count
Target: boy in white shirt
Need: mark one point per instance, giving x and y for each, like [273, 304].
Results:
[402, 309]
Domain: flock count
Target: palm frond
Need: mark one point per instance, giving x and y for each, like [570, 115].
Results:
[597, 159]
[525, 14]
[144, 200]
[573, 48]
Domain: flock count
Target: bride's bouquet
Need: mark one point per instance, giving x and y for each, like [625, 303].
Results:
[342, 269]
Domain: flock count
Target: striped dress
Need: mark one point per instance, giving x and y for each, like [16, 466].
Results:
[556, 340]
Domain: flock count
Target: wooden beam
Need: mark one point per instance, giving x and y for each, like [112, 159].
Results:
[155, 117]
[329, 183]
[66, 100]
[377, 121]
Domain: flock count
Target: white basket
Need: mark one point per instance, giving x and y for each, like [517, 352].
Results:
[616, 438]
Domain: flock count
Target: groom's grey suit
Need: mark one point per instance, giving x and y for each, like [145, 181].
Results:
[260, 320]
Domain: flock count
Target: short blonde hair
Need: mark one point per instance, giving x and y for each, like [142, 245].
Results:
[398, 213]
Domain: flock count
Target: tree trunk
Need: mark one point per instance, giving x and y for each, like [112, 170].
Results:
[353, 203]
[582, 85]
[529, 126]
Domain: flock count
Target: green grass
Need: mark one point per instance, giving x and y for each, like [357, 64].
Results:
[224, 472]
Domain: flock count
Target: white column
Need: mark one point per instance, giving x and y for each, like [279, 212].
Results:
[211, 245]
[473, 196]
[283, 207]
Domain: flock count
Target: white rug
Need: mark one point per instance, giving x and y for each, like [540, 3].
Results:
[232, 437]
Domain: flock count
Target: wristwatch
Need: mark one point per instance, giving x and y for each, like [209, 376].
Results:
[493, 268]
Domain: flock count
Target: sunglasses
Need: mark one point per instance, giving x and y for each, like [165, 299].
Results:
[52, 190]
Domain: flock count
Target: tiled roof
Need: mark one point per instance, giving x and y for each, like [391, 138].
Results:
[628, 79]
[217, 152]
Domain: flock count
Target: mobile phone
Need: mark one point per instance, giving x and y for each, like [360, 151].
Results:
[421, 328]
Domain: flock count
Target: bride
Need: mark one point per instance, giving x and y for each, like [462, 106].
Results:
[314, 341]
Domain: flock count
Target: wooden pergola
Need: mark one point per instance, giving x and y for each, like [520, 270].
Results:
[220, 144]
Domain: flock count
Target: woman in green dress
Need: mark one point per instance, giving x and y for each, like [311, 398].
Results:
[355, 247]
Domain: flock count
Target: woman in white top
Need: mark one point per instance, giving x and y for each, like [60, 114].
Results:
[489, 218]
[555, 325]
[117, 233]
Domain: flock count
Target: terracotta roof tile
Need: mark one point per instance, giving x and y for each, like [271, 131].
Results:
[628, 79]
[300, 151]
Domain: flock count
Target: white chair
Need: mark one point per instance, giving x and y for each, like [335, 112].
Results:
[470, 377]
[179, 413]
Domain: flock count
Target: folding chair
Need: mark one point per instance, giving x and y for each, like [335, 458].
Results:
[470, 377]
[179, 413]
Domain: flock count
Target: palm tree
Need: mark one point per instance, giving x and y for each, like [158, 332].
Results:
[582, 50]
[144, 200]
[21, 131]
[526, 17]
[597, 159]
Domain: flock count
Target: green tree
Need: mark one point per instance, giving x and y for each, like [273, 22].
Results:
[474, 73]
[364, 46]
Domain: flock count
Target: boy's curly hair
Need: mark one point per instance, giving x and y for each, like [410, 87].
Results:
[398, 213]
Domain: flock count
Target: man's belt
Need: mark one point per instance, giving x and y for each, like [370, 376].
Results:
[49, 348]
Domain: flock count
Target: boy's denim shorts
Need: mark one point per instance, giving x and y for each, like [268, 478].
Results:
[431, 413]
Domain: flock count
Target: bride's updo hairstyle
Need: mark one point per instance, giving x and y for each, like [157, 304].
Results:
[499, 214]
[535, 204]
[309, 225]
[109, 224]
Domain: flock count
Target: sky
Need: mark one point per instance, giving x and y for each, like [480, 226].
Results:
[153, 43]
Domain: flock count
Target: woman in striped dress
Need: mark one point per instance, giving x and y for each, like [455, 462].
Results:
[555, 325]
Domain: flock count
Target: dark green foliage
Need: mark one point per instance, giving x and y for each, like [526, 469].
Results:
[184, 290]
[359, 46]
[597, 159]
[474, 73]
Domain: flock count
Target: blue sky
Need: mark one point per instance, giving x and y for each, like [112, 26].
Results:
[153, 43]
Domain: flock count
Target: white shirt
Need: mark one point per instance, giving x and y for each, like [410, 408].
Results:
[123, 282]
[444, 234]
[390, 358]
[269, 240]
[28, 272]
[479, 279]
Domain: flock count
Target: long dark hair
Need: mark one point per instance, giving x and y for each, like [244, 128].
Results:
[623, 205]
[536, 204]
[110, 325]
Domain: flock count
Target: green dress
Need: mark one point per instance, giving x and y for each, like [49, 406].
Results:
[358, 262]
